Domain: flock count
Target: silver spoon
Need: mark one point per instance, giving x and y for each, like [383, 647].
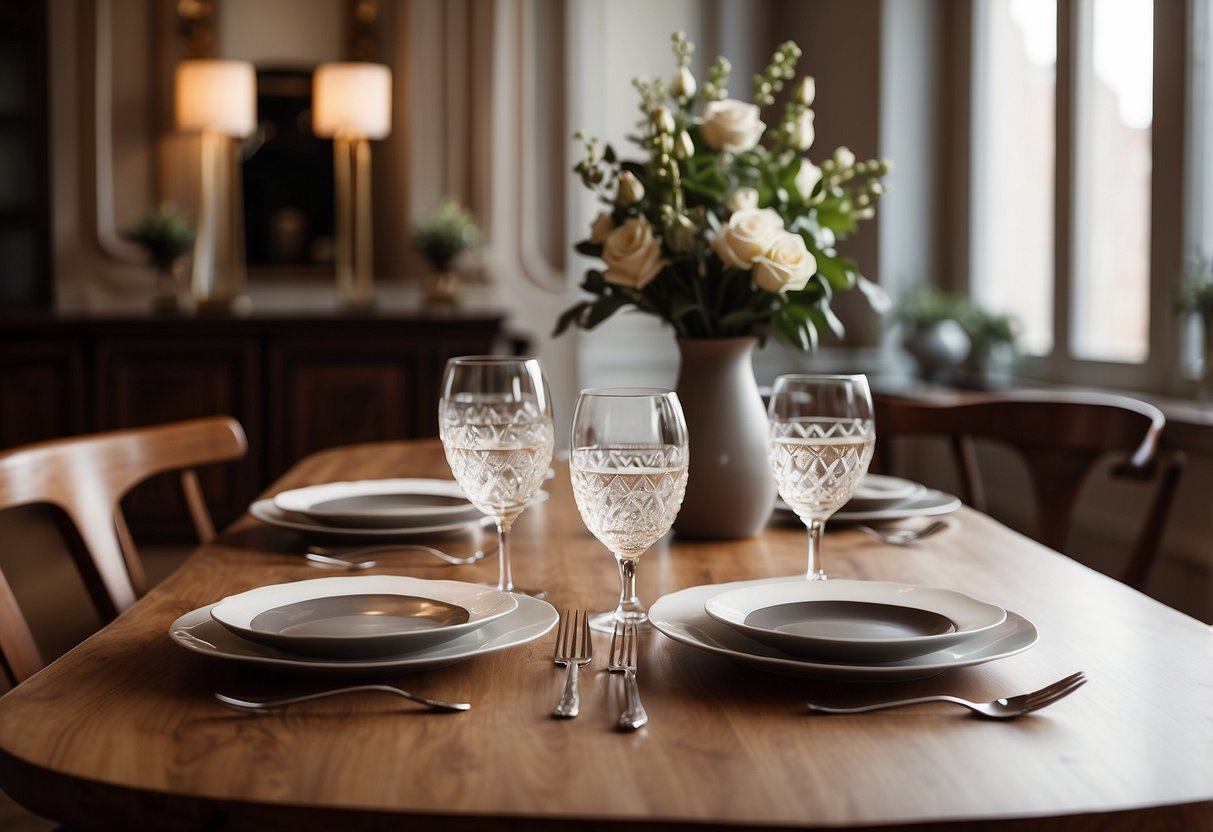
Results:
[901, 537]
[264, 705]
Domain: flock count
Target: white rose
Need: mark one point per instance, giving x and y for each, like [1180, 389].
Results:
[742, 199]
[731, 125]
[805, 91]
[602, 225]
[807, 178]
[632, 254]
[684, 84]
[803, 132]
[630, 191]
[786, 266]
[748, 235]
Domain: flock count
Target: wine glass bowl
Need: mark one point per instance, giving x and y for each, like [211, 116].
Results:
[629, 472]
[495, 422]
[822, 435]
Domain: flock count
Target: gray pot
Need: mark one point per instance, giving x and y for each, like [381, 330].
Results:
[730, 487]
[939, 348]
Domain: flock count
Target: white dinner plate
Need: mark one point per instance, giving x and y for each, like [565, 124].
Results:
[877, 491]
[929, 503]
[267, 512]
[392, 503]
[854, 621]
[681, 616]
[197, 632]
[361, 615]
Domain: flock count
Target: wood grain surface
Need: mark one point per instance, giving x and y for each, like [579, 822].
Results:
[122, 733]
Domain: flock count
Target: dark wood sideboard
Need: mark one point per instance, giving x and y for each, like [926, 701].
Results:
[296, 382]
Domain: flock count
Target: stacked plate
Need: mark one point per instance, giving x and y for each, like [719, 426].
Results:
[363, 623]
[842, 630]
[372, 508]
[880, 498]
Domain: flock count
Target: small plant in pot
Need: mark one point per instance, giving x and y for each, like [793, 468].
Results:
[1194, 298]
[441, 237]
[957, 342]
[166, 235]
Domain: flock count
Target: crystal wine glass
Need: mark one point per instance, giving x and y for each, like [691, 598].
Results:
[629, 470]
[495, 420]
[821, 438]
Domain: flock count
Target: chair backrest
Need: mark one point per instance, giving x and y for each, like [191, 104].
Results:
[86, 477]
[1060, 436]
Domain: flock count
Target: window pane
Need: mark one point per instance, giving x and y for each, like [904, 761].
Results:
[1111, 298]
[1014, 126]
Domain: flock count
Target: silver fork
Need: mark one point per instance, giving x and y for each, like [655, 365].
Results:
[901, 537]
[998, 709]
[573, 649]
[623, 659]
[265, 705]
[333, 556]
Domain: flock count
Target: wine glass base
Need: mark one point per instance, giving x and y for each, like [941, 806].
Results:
[604, 622]
[537, 594]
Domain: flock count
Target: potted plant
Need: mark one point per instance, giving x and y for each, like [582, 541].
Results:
[724, 228]
[166, 235]
[1194, 298]
[441, 237]
[956, 341]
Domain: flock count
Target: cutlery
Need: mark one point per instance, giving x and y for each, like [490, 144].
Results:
[623, 659]
[902, 537]
[331, 556]
[266, 705]
[573, 649]
[998, 709]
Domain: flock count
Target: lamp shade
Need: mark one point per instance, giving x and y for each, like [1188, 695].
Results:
[352, 99]
[217, 95]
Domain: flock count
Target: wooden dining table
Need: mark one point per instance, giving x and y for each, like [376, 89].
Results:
[124, 733]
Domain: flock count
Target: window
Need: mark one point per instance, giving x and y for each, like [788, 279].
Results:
[1076, 200]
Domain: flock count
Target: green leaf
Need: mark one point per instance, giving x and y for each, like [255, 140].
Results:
[877, 297]
[603, 308]
[594, 282]
[841, 272]
[589, 249]
[570, 316]
[608, 155]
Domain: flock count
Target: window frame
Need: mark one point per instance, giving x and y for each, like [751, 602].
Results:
[1170, 225]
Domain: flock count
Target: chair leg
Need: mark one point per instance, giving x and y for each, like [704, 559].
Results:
[1146, 547]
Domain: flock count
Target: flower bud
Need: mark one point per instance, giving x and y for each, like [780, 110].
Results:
[680, 234]
[684, 147]
[844, 158]
[662, 120]
[684, 83]
[630, 189]
[805, 91]
[742, 199]
[802, 133]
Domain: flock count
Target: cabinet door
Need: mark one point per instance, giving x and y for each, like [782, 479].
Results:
[149, 381]
[41, 391]
[340, 392]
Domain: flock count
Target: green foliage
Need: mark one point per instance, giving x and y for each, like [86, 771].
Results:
[444, 234]
[1195, 294]
[164, 226]
[689, 187]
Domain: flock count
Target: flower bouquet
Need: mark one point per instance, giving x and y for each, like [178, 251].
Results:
[726, 228]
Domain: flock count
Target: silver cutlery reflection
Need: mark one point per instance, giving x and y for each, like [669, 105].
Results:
[573, 649]
[998, 709]
[902, 537]
[623, 659]
[266, 705]
[331, 556]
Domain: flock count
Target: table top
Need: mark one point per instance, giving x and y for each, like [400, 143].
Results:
[122, 732]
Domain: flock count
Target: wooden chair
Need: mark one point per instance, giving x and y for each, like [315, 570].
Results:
[86, 478]
[1060, 436]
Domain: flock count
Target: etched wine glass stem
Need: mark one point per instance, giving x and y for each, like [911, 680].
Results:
[505, 578]
[814, 572]
[630, 608]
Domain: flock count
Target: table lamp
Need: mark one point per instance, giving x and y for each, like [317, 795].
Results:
[218, 99]
[352, 103]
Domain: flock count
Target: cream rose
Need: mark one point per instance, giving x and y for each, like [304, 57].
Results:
[803, 132]
[731, 125]
[632, 254]
[601, 227]
[748, 235]
[786, 266]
